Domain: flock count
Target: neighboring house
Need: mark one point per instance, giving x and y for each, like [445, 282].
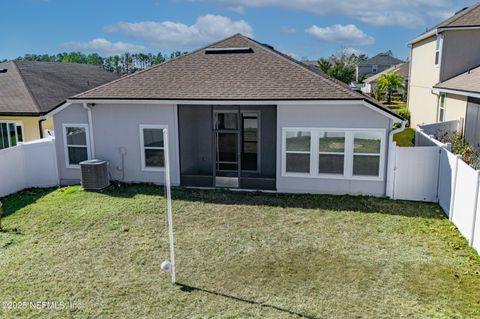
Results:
[462, 92]
[370, 84]
[238, 114]
[28, 90]
[438, 56]
[376, 64]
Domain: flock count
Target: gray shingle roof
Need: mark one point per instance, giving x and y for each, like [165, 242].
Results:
[264, 74]
[401, 69]
[32, 88]
[465, 18]
[467, 82]
[381, 59]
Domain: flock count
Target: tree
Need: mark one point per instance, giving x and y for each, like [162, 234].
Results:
[342, 65]
[388, 82]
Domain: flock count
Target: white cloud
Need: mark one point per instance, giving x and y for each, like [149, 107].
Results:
[288, 29]
[103, 46]
[170, 35]
[410, 14]
[345, 34]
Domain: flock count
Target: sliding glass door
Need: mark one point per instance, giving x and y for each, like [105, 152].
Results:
[11, 133]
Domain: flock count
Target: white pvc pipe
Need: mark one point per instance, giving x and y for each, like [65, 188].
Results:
[90, 127]
[169, 204]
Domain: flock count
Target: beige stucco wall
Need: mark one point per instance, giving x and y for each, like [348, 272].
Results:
[30, 125]
[455, 107]
[422, 103]
[460, 52]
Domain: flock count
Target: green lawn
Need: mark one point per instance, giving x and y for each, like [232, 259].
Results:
[406, 137]
[396, 104]
[239, 255]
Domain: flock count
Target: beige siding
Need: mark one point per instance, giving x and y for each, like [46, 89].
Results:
[423, 76]
[455, 107]
[460, 52]
[30, 125]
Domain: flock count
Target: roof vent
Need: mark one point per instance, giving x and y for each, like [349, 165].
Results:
[3, 70]
[268, 46]
[228, 50]
[461, 10]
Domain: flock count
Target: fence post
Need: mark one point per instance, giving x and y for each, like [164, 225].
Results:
[454, 181]
[475, 209]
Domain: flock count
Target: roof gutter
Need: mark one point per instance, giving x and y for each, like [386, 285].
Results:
[424, 36]
[438, 30]
[437, 90]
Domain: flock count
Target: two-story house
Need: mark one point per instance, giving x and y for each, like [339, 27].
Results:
[444, 80]
[376, 64]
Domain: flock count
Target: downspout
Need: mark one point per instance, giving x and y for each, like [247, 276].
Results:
[391, 171]
[40, 127]
[88, 107]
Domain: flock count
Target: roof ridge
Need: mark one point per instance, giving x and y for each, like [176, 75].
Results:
[24, 82]
[154, 66]
[324, 76]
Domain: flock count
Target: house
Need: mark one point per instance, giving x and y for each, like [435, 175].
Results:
[370, 84]
[29, 90]
[238, 114]
[374, 65]
[443, 60]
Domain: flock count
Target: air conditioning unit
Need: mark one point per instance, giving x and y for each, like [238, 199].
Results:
[94, 174]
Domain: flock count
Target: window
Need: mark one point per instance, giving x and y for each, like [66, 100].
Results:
[225, 120]
[77, 144]
[374, 68]
[438, 49]
[331, 146]
[366, 153]
[11, 133]
[153, 147]
[297, 146]
[441, 108]
[333, 153]
[250, 139]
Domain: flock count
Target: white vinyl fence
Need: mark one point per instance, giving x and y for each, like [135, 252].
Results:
[30, 164]
[434, 174]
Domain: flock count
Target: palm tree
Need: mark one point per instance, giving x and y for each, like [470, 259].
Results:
[388, 82]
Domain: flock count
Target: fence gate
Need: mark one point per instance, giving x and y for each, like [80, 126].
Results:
[416, 173]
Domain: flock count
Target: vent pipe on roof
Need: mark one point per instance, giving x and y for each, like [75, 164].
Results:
[228, 50]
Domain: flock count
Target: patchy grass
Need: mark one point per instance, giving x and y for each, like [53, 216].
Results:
[406, 137]
[239, 255]
[396, 104]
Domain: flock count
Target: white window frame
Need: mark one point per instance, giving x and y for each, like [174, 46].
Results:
[380, 155]
[374, 68]
[66, 146]
[348, 154]
[438, 50]
[344, 153]
[440, 107]
[144, 167]
[285, 152]
[17, 123]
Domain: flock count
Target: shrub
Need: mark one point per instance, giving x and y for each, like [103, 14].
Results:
[405, 113]
[468, 153]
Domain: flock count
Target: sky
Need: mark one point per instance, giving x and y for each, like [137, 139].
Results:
[304, 29]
